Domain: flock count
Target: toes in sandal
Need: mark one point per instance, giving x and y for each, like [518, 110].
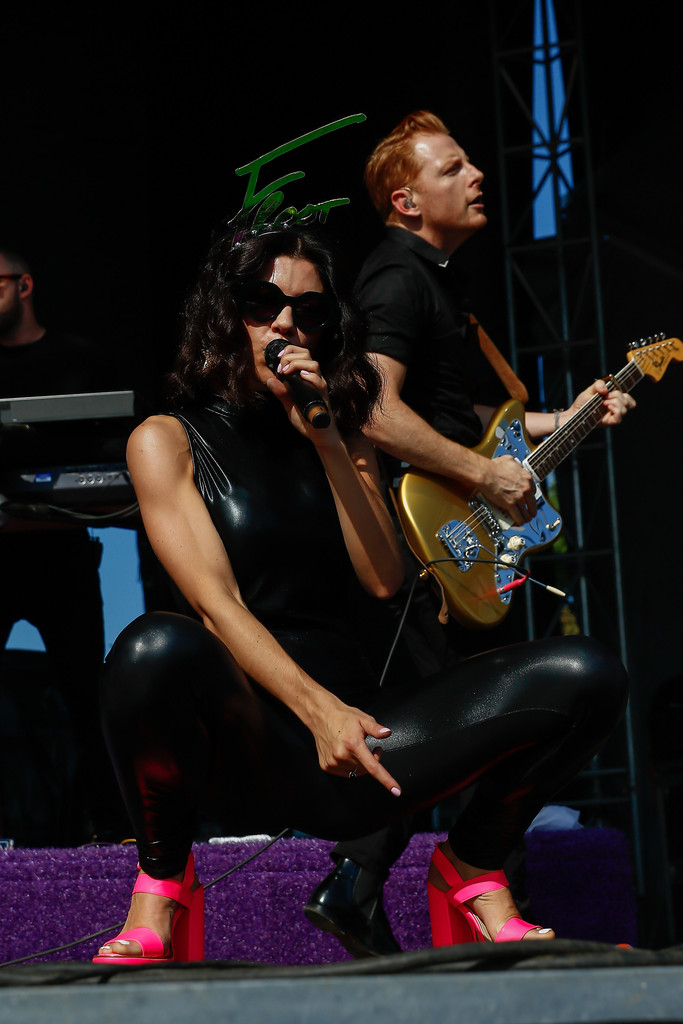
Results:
[187, 934]
[453, 921]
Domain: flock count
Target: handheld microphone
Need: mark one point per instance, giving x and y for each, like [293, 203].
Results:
[305, 397]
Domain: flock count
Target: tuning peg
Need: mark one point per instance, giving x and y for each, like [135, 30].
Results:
[652, 339]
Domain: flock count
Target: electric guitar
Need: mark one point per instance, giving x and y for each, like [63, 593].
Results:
[471, 546]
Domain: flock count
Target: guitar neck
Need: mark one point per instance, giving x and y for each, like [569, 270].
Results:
[564, 440]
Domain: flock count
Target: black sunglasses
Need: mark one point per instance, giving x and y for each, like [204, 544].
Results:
[263, 300]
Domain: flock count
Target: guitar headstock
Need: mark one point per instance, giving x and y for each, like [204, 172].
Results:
[654, 354]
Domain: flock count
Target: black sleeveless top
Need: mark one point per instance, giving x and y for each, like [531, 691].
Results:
[270, 501]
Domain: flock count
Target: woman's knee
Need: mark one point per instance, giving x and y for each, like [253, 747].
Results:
[565, 674]
[593, 672]
[170, 658]
[594, 661]
[153, 658]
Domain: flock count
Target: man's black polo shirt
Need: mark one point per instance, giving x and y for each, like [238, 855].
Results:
[419, 315]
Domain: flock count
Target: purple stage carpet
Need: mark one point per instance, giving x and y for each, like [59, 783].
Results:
[578, 881]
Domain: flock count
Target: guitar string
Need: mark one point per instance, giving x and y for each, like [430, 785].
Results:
[626, 379]
[479, 516]
[621, 380]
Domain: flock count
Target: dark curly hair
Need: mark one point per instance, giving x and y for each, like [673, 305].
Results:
[214, 356]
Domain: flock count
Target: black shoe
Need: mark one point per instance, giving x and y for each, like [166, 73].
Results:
[348, 904]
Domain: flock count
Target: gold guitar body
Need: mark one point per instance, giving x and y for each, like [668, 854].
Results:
[472, 547]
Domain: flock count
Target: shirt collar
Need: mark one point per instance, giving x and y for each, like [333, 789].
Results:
[419, 245]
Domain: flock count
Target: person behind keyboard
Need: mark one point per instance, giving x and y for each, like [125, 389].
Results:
[49, 569]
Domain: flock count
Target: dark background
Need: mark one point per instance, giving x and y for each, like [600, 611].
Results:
[122, 129]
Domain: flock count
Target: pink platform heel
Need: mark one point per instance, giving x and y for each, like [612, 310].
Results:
[187, 934]
[452, 920]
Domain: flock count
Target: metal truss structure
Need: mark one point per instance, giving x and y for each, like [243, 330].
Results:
[556, 331]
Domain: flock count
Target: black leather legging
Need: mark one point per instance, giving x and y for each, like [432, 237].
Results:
[187, 731]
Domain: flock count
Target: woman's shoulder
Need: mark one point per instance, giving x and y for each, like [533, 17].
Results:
[160, 426]
[157, 436]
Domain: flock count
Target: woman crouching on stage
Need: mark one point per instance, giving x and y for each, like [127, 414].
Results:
[267, 707]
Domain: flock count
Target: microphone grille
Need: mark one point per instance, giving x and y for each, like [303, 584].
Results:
[271, 354]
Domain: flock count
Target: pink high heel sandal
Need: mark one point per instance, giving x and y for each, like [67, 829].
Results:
[187, 934]
[452, 921]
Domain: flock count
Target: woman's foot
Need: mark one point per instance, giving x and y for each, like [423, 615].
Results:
[146, 911]
[493, 909]
[159, 926]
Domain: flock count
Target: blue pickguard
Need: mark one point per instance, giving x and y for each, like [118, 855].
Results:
[489, 534]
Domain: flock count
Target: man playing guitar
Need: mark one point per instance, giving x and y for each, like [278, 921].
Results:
[429, 196]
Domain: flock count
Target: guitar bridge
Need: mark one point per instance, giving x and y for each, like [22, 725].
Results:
[460, 542]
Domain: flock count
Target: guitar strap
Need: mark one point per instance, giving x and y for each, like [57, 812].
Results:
[513, 384]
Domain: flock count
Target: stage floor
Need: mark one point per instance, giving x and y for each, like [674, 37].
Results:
[507, 984]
